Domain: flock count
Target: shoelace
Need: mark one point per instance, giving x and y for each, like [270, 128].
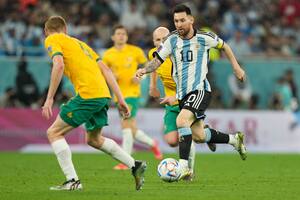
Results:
[75, 185]
[68, 181]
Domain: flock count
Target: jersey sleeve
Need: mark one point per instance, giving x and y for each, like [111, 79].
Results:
[213, 41]
[53, 46]
[141, 58]
[164, 50]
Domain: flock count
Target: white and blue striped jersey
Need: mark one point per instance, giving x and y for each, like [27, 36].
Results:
[190, 58]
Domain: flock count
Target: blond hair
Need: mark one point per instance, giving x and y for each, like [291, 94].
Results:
[55, 24]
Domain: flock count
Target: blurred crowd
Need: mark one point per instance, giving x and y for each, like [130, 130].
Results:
[268, 28]
[265, 27]
[26, 93]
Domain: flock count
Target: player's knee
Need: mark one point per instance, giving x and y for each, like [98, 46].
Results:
[54, 133]
[182, 122]
[171, 138]
[172, 142]
[51, 134]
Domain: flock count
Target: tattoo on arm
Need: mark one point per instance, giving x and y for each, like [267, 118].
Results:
[152, 65]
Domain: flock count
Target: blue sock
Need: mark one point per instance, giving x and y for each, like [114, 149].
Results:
[207, 135]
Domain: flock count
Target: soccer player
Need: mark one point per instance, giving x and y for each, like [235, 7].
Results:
[124, 60]
[171, 111]
[90, 77]
[188, 50]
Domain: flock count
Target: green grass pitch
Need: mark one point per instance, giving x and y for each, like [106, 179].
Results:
[218, 176]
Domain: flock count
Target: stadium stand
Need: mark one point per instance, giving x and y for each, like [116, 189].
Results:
[257, 30]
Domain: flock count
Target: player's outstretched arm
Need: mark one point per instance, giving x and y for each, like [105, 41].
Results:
[150, 66]
[56, 76]
[112, 83]
[110, 79]
[238, 71]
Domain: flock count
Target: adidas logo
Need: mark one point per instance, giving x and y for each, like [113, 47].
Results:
[181, 139]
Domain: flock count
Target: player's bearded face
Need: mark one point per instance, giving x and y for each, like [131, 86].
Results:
[183, 23]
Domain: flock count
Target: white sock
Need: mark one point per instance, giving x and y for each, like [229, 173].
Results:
[183, 163]
[141, 136]
[127, 143]
[232, 140]
[191, 162]
[64, 157]
[110, 147]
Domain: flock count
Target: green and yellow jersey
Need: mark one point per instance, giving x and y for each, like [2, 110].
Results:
[80, 65]
[124, 64]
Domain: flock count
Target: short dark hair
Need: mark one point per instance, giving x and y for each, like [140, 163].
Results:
[118, 26]
[182, 8]
[55, 23]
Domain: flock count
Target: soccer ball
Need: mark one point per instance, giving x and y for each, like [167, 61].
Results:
[169, 170]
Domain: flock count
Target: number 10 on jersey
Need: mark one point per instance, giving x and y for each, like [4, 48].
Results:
[186, 56]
